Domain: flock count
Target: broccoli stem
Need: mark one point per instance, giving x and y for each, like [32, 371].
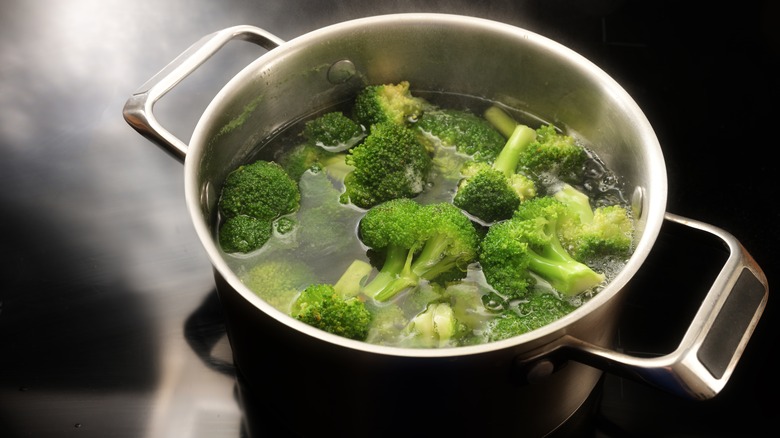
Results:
[394, 276]
[348, 285]
[500, 120]
[577, 201]
[568, 277]
[509, 157]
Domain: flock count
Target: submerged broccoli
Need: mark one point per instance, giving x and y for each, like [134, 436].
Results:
[253, 197]
[540, 309]
[604, 231]
[553, 157]
[333, 132]
[436, 326]
[493, 192]
[550, 158]
[390, 163]
[468, 133]
[391, 103]
[278, 281]
[418, 241]
[336, 308]
[528, 245]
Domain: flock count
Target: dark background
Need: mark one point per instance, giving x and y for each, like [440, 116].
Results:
[108, 319]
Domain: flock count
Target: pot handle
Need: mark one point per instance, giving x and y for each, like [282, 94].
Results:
[138, 108]
[704, 360]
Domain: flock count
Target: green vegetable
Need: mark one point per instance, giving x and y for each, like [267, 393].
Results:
[335, 308]
[468, 133]
[393, 103]
[278, 281]
[418, 242]
[538, 310]
[526, 246]
[493, 192]
[553, 157]
[436, 326]
[333, 132]
[253, 197]
[607, 230]
[390, 163]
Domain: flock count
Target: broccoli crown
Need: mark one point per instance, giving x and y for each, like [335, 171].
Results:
[320, 306]
[610, 233]
[593, 234]
[278, 281]
[262, 190]
[553, 155]
[391, 103]
[538, 310]
[390, 163]
[487, 195]
[333, 131]
[493, 192]
[418, 241]
[244, 233]
[529, 243]
[468, 133]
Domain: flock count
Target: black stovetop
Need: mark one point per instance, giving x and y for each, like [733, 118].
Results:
[109, 321]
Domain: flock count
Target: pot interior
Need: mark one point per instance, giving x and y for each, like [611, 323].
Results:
[435, 53]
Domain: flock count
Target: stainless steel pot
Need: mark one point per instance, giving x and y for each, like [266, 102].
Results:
[529, 384]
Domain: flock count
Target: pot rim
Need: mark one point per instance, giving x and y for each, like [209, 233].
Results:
[652, 208]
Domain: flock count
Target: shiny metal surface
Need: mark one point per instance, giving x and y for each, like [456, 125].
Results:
[107, 320]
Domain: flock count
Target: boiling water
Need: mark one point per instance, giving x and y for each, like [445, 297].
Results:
[335, 245]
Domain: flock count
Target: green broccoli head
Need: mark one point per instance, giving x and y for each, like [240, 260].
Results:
[486, 194]
[418, 242]
[333, 132]
[387, 103]
[493, 192]
[262, 190]
[529, 243]
[468, 133]
[593, 234]
[387, 324]
[278, 281]
[553, 157]
[538, 310]
[253, 197]
[391, 163]
[244, 233]
[320, 306]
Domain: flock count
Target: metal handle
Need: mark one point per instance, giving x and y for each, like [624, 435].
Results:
[138, 108]
[704, 360]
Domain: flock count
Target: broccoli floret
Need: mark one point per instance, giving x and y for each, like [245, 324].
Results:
[418, 241]
[391, 103]
[278, 281]
[538, 310]
[244, 233]
[333, 132]
[387, 325]
[335, 308]
[607, 230]
[261, 191]
[493, 192]
[437, 326]
[390, 163]
[553, 157]
[468, 133]
[526, 246]
[307, 157]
